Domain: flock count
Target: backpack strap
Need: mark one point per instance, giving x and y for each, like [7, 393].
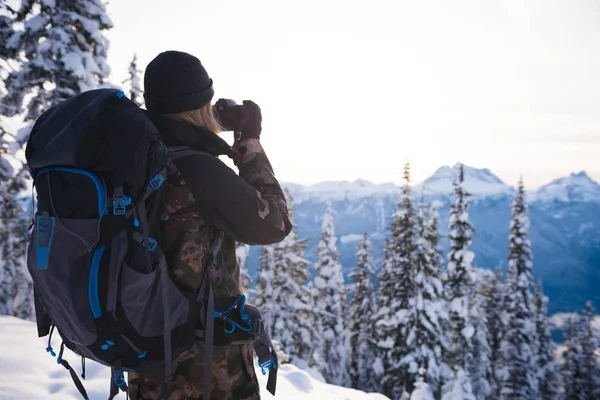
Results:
[206, 292]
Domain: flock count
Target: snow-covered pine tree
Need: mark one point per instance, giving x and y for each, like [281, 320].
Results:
[62, 52]
[331, 305]
[134, 82]
[518, 344]
[362, 307]
[263, 295]
[427, 316]
[572, 375]
[16, 287]
[544, 348]
[292, 298]
[589, 360]
[480, 366]
[492, 290]
[396, 289]
[459, 286]
[243, 251]
[293, 311]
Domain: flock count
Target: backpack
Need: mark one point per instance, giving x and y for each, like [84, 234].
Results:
[100, 277]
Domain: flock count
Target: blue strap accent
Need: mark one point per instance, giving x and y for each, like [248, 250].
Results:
[120, 94]
[143, 354]
[269, 365]
[136, 223]
[241, 299]
[50, 350]
[157, 181]
[152, 243]
[119, 378]
[45, 230]
[120, 204]
[106, 345]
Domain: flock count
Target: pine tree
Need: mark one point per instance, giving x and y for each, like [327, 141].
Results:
[362, 307]
[62, 52]
[480, 367]
[544, 348]
[427, 317]
[459, 283]
[581, 373]
[134, 82]
[292, 310]
[264, 296]
[396, 289]
[589, 361]
[243, 251]
[331, 303]
[492, 290]
[518, 344]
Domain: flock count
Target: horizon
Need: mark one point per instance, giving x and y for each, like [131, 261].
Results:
[415, 183]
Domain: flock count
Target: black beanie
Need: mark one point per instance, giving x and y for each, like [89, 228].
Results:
[174, 82]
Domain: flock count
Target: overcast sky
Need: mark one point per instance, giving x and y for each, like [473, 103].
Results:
[351, 89]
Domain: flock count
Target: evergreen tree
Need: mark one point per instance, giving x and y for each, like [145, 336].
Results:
[546, 367]
[580, 369]
[492, 290]
[459, 284]
[134, 82]
[427, 317]
[292, 310]
[243, 251]
[331, 303]
[589, 361]
[396, 289]
[518, 344]
[480, 366]
[264, 296]
[362, 307]
[62, 52]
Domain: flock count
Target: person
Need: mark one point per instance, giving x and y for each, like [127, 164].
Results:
[204, 195]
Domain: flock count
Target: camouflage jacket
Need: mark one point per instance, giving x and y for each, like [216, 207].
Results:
[203, 194]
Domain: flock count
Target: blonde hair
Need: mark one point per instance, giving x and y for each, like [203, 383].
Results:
[204, 117]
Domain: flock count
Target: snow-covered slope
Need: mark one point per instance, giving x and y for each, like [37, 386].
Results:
[27, 372]
[478, 182]
[326, 191]
[573, 188]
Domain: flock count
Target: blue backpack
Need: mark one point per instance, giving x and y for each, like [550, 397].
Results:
[100, 277]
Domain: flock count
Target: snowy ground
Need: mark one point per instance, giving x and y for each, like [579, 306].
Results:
[27, 372]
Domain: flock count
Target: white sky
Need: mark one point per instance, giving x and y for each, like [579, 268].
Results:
[351, 89]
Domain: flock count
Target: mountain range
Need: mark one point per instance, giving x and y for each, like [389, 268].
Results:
[565, 225]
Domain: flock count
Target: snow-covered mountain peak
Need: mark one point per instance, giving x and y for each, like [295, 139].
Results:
[573, 188]
[478, 182]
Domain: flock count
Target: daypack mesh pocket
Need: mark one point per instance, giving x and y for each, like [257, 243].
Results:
[141, 300]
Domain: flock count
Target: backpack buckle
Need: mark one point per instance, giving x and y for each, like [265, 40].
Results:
[120, 204]
[119, 378]
[152, 243]
[157, 181]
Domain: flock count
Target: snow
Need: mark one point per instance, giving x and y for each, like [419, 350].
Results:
[339, 190]
[27, 372]
[573, 188]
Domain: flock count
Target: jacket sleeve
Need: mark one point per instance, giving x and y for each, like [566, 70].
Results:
[250, 208]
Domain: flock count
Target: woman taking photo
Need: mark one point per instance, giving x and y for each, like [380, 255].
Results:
[204, 196]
